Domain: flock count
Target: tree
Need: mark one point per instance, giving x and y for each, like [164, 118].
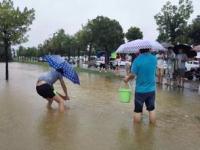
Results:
[2, 53]
[172, 21]
[27, 52]
[106, 34]
[61, 42]
[41, 51]
[81, 41]
[194, 31]
[133, 34]
[84, 40]
[14, 23]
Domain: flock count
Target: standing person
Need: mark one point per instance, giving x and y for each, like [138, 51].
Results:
[44, 88]
[144, 70]
[118, 62]
[128, 64]
[170, 66]
[160, 67]
[102, 63]
[181, 59]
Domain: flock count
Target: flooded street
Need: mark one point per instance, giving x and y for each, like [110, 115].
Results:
[94, 117]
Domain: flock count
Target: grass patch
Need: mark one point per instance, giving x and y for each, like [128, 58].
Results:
[34, 63]
[108, 74]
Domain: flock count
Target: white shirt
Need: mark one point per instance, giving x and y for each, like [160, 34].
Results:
[102, 59]
[160, 60]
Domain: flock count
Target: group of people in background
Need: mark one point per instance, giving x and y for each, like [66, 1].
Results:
[170, 66]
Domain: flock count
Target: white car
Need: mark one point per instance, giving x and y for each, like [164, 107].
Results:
[192, 64]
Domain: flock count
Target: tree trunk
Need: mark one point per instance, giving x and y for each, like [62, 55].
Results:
[89, 53]
[6, 45]
[69, 54]
[78, 60]
[106, 55]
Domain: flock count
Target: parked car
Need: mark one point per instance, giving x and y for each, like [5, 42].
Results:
[192, 64]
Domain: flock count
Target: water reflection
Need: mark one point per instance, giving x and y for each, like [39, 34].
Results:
[51, 128]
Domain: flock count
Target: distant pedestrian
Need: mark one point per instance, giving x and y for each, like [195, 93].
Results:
[181, 59]
[144, 70]
[160, 67]
[102, 63]
[128, 59]
[170, 66]
[118, 62]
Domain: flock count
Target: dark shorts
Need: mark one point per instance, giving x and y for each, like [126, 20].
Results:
[45, 90]
[181, 72]
[147, 98]
[102, 66]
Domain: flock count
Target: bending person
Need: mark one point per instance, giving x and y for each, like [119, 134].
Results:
[44, 88]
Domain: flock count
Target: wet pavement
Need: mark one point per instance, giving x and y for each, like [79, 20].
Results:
[94, 117]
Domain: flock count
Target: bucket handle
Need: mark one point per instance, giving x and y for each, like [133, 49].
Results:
[129, 84]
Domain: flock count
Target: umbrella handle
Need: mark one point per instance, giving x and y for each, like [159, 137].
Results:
[129, 84]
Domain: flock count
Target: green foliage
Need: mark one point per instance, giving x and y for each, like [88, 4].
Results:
[81, 41]
[84, 38]
[27, 52]
[133, 34]
[106, 34]
[60, 44]
[14, 23]
[194, 31]
[2, 53]
[172, 21]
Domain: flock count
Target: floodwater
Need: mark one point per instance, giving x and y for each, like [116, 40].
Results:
[94, 117]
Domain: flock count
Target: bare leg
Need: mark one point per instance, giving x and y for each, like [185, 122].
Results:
[137, 117]
[63, 97]
[179, 81]
[50, 101]
[158, 76]
[60, 102]
[152, 117]
[182, 82]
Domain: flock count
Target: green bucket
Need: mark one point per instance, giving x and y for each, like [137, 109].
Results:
[125, 95]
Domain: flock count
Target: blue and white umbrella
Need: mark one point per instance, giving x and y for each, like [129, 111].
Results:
[136, 45]
[57, 62]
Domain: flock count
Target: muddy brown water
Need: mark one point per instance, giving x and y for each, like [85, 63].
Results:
[94, 117]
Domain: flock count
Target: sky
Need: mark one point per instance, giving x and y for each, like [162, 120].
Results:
[52, 15]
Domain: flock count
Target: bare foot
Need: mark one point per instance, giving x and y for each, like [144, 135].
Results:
[49, 106]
